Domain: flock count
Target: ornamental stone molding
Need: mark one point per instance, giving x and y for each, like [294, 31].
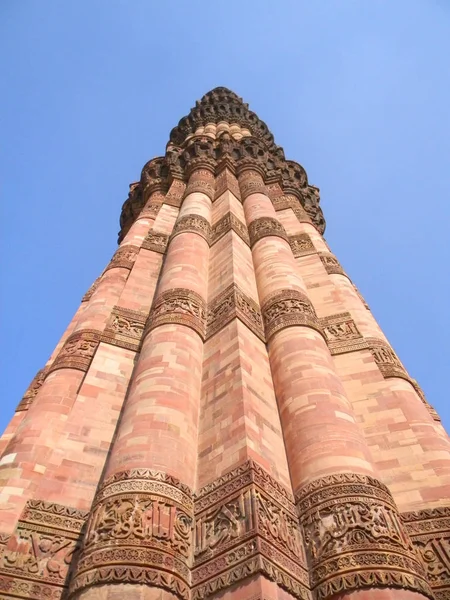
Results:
[155, 241]
[288, 308]
[230, 304]
[430, 532]
[139, 531]
[264, 227]
[420, 393]
[176, 193]
[38, 555]
[202, 181]
[229, 222]
[355, 538]
[77, 351]
[331, 263]
[188, 150]
[193, 224]
[341, 334]
[125, 328]
[181, 306]
[124, 257]
[386, 359]
[32, 390]
[301, 245]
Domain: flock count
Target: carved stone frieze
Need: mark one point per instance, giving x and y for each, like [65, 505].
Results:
[201, 180]
[155, 241]
[193, 224]
[77, 351]
[123, 257]
[181, 306]
[226, 181]
[153, 205]
[288, 308]
[251, 182]
[125, 328]
[331, 263]
[430, 532]
[301, 245]
[355, 538]
[176, 193]
[32, 390]
[246, 515]
[39, 554]
[139, 531]
[230, 304]
[91, 290]
[265, 226]
[341, 334]
[229, 222]
[386, 359]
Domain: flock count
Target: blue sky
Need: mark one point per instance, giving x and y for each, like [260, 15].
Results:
[356, 91]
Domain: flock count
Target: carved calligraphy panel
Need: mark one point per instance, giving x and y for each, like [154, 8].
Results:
[124, 257]
[301, 245]
[286, 309]
[78, 350]
[125, 328]
[355, 538]
[193, 224]
[233, 303]
[263, 227]
[32, 390]
[155, 241]
[229, 222]
[331, 263]
[342, 334]
[181, 306]
[430, 532]
[38, 556]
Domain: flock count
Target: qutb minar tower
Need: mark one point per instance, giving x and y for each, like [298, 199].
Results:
[223, 417]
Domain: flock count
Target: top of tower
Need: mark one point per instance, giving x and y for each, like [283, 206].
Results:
[221, 104]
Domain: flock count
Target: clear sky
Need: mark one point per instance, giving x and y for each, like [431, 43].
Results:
[357, 91]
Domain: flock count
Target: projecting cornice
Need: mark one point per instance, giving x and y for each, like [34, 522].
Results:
[221, 131]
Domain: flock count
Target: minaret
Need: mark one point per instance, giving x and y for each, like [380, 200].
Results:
[223, 417]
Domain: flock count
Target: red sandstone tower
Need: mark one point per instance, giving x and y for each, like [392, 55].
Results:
[223, 417]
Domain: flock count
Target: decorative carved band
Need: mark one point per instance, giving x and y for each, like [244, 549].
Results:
[301, 245]
[386, 359]
[251, 183]
[430, 532]
[176, 193]
[331, 263]
[125, 328]
[230, 304]
[78, 351]
[124, 257]
[226, 181]
[181, 306]
[139, 531]
[201, 180]
[153, 207]
[246, 524]
[286, 309]
[32, 390]
[229, 222]
[342, 334]
[355, 538]
[37, 557]
[91, 290]
[156, 241]
[193, 224]
[263, 227]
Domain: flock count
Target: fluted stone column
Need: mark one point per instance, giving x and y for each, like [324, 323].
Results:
[143, 512]
[327, 454]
